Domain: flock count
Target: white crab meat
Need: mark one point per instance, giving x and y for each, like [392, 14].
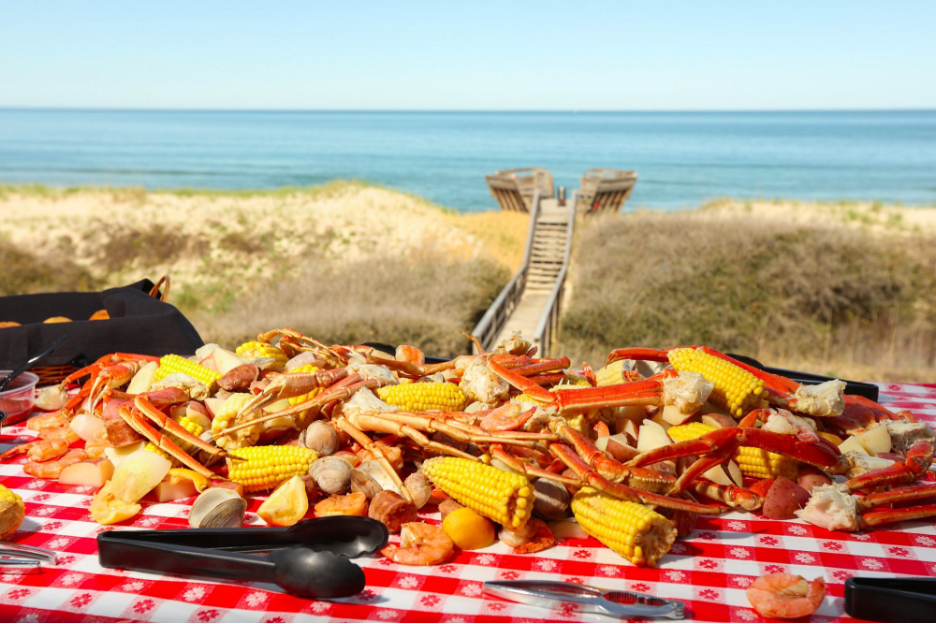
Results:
[862, 463]
[195, 389]
[515, 345]
[782, 421]
[480, 383]
[825, 399]
[365, 401]
[687, 392]
[905, 434]
[831, 507]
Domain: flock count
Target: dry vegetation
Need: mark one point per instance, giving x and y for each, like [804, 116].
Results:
[846, 289]
[843, 289]
[346, 262]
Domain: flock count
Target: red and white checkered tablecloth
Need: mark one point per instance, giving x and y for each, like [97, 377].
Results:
[709, 570]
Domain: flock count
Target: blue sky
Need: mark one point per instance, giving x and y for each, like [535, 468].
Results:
[469, 55]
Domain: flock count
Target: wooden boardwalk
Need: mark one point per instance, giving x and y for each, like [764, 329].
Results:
[530, 301]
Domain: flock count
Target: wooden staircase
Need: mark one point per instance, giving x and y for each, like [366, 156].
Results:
[530, 301]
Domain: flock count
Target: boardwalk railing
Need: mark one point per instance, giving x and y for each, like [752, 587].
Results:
[548, 326]
[493, 321]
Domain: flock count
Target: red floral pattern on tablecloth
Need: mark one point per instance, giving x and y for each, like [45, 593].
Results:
[709, 571]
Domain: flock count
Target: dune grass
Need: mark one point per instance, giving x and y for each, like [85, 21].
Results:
[823, 296]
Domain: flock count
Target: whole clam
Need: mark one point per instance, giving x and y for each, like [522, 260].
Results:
[321, 437]
[552, 499]
[218, 508]
[333, 475]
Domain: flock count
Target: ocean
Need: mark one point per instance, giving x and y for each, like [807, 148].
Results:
[683, 159]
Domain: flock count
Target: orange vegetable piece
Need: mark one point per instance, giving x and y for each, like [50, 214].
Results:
[348, 505]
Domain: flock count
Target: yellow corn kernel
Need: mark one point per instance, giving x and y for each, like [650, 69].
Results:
[736, 390]
[254, 350]
[169, 364]
[754, 462]
[423, 397]
[260, 468]
[502, 496]
[614, 373]
[225, 417]
[631, 530]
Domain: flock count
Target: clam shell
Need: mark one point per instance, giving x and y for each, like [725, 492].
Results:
[321, 437]
[364, 483]
[218, 508]
[552, 499]
[332, 475]
[419, 488]
[373, 468]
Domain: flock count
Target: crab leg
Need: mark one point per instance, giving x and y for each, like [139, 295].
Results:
[323, 398]
[381, 425]
[918, 461]
[619, 490]
[717, 446]
[610, 468]
[731, 495]
[143, 407]
[361, 438]
[137, 422]
[290, 385]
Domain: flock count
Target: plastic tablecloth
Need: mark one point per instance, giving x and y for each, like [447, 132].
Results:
[709, 570]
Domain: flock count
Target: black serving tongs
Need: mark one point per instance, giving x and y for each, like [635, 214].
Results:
[891, 599]
[307, 560]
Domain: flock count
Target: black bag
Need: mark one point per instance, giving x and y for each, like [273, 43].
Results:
[138, 323]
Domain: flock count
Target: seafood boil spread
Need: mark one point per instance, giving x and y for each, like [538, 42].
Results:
[509, 446]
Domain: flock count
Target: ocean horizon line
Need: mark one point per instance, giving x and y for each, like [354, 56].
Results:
[417, 111]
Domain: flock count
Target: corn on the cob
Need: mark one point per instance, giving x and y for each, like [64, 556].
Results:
[225, 417]
[736, 390]
[614, 373]
[422, 397]
[169, 364]
[260, 468]
[754, 462]
[631, 530]
[254, 350]
[502, 496]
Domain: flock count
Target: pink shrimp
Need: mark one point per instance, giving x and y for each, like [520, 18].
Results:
[52, 420]
[39, 450]
[506, 418]
[421, 544]
[61, 433]
[52, 469]
[532, 538]
[787, 596]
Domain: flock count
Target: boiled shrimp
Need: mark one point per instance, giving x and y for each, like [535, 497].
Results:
[348, 505]
[786, 596]
[95, 447]
[39, 450]
[421, 544]
[52, 420]
[532, 538]
[52, 469]
[506, 418]
[61, 433]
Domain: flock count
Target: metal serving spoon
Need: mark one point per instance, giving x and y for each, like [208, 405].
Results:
[22, 368]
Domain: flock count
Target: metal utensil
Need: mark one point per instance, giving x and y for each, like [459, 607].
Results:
[552, 594]
[30, 556]
[22, 368]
